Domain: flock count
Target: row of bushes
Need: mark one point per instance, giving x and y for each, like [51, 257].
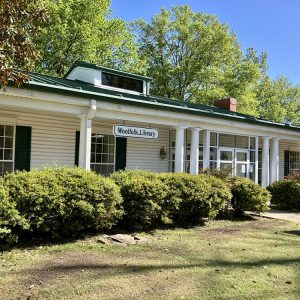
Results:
[286, 193]
[65, 201]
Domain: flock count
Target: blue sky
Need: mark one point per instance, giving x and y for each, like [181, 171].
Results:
[266, 25]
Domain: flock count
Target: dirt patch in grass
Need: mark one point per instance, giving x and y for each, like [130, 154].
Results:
[236, 228]
[224, 260]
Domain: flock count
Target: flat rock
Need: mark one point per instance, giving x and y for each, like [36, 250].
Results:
[124, 239]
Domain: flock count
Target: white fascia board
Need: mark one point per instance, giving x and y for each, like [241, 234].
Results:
[18, 101]
[127, 112]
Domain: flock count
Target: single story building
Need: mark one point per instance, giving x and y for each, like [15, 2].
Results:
[105, 120]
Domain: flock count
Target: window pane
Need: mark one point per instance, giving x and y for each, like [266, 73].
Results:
[241, 170]
[213, 153]
[213, 164]
[226, 155]
[226, 140]
[252, 156]
[252, 171]
[226, 166]
[122, 82]
[1, 130]
[8, 154]
[9, 131]
[213, 139]
[252, 142]
[242, 142]
[1, 142]
[9, 142]
[241, 156]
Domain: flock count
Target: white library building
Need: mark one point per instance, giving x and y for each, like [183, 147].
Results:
[105, 120]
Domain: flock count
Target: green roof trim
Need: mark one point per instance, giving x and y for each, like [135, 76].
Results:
[108, 70]
[65, 86]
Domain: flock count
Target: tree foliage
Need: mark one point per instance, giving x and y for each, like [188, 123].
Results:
[19, 23]
[193, 57]
[84, 30]
[279, 100]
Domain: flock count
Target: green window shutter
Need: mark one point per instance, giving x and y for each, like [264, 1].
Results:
[77, 148]
[286, 163]
[23, 148]
[121, 151]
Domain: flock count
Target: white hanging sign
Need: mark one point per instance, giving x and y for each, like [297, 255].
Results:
[136, 132]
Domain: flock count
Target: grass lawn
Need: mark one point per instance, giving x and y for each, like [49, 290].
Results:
[256, 259]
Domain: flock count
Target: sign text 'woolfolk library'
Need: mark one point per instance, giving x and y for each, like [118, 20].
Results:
[135, 132]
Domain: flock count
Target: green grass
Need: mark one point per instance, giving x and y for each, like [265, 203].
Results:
[257, 259]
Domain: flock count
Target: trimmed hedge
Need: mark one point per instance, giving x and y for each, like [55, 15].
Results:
[247, 195]
[192, 198]
[286, 193]
[153, 199]
[10, 218]
[63, 201]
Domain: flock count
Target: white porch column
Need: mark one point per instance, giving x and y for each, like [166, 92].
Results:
[179, 149]
[194, 159]
[85, 142]
[265, 175]
[206, 149]
[256, 158]
[86, 136]
[275, 161]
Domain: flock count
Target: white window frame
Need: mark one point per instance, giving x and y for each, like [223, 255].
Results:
[114, 153]
[14, 145]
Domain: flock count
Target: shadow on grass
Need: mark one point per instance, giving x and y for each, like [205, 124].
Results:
[293, 232]
[52, 272]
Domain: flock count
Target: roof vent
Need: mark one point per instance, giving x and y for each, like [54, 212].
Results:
[227, 103]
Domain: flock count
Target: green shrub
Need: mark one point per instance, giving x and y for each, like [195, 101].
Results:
[10, 220]
[223, 174]
[286, 194]
[143, 194]
[62, 201]
[120, 177]
[247, 195]
[192, 198]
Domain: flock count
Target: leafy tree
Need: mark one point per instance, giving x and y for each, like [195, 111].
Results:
[19, 23]
[193, 57]
[83, 30]
[279, 100]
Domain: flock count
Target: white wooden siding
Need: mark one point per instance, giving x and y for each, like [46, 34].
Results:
[53, 141]
[144, 154]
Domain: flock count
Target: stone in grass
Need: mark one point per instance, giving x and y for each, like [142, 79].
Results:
[125, 239]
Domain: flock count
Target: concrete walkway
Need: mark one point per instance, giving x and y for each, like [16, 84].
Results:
[281, 215]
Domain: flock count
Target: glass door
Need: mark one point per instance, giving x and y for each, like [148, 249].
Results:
[242, 163]
[226, 159]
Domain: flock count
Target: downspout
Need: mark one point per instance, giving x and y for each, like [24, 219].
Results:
[92, 111]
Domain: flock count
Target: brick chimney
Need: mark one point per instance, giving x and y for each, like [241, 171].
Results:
[227, 103]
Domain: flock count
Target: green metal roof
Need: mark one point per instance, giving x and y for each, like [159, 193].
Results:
[81, 89]
[108, 70]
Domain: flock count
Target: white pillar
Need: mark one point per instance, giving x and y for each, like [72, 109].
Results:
[206, 149]
[85, 142]
[275, 161]
[194, 158]
[256, 158]
[265, 175]
[179, 149]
